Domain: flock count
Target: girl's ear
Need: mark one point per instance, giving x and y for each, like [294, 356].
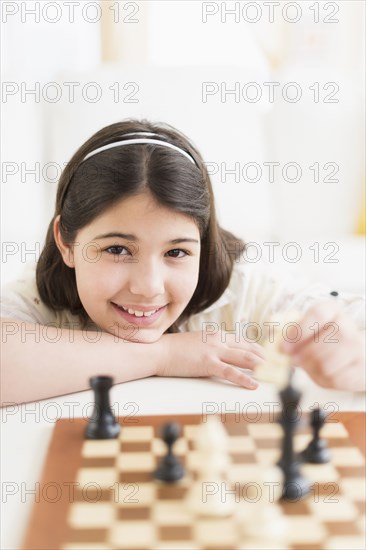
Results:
[65, 249]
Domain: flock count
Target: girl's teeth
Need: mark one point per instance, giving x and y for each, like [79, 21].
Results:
[148, 313]
[132, 312]
[139, 313]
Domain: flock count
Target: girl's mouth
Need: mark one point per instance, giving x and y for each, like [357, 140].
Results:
[139, 318]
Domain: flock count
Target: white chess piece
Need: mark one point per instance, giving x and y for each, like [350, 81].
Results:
[259, 515]
[277, 365]
[208, 494]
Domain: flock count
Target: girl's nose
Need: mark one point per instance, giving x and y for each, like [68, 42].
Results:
[147, 279]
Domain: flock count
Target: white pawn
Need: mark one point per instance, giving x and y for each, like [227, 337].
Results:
[260, 516]
[208, 494]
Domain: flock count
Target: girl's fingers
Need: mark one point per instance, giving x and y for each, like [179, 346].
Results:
[240, 358]
[312, 363]
[336, 366]
[320, 323]
[253, 347]
[233, 374]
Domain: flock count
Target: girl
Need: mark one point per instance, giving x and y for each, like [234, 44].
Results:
[137, 279]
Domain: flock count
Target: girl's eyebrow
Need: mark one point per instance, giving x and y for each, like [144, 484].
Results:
[130, 237]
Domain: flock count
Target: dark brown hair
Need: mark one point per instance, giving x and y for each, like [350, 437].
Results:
[86, 189]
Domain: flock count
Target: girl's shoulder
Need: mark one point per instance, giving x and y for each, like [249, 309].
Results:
[20, 299]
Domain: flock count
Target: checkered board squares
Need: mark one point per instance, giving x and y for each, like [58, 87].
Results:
[119, 506]
[158, 516]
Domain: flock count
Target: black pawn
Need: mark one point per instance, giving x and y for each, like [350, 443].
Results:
[170, 469]
[295, 486]
[317, 451]
[102, 424]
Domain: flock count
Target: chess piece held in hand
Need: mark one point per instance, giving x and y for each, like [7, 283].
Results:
[277, 366]
[102, 424]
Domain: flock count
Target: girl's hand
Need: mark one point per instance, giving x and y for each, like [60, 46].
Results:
[331, 348]
[186, 354]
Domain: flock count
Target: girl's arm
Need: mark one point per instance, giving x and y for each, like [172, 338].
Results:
[39, 362]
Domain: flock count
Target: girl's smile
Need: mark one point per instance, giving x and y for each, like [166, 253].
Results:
[141, 318]
[136, 265]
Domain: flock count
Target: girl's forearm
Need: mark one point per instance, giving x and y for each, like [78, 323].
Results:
[39, 362]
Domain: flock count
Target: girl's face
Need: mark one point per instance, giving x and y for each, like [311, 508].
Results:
[136, 268]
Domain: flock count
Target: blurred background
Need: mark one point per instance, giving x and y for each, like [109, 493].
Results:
[272, 93]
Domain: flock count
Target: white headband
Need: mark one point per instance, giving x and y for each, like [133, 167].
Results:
[139, 140]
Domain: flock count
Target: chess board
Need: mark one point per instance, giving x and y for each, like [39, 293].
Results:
[101, 495]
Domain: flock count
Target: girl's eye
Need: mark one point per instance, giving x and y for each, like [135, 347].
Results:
[117, 250]
[175, 253]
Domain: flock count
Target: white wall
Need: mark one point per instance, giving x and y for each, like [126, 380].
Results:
[177, 36]
[34, 51]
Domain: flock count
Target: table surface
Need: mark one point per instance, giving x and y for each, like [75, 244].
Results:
[26, 430]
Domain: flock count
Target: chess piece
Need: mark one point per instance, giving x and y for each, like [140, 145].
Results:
[170, 469]
[295, 486]
[102, 424]
[276, 368]
[210, 494]
[261, 519]
[317, 451]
